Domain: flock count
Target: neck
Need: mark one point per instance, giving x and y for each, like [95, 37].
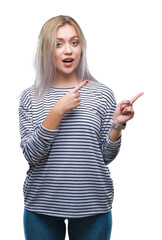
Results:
[64, 80]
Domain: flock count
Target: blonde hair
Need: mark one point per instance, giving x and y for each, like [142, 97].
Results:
[44, 60]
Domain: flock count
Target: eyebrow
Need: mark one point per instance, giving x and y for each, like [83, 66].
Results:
[70, 38]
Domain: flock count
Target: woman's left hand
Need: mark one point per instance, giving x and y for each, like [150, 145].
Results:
[124, 110]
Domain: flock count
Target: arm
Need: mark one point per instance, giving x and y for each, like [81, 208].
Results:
[111, 137]
[36, 143]
[109, 146]
[68, 102]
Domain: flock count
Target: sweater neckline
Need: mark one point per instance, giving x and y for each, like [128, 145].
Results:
[58, 89]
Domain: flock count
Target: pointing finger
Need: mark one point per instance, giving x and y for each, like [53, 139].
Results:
[80, 86]
[136, 97]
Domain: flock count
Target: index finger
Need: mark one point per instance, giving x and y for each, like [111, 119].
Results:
[80, 85]
[136, 97]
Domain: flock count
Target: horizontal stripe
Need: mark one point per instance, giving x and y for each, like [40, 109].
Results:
[68, 174]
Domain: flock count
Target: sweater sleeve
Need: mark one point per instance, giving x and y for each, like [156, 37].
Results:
[109, 149]
[35, 143]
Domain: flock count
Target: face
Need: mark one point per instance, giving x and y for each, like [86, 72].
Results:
[68, 50]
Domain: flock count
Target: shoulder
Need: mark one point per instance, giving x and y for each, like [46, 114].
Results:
[102, 90]
[26, 96]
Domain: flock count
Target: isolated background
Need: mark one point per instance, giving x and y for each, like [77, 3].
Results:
[124, 52]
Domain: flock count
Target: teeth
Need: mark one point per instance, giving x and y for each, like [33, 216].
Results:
[68, 60]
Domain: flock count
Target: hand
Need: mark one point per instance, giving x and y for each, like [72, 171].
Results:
[124, 110]
[70, 100]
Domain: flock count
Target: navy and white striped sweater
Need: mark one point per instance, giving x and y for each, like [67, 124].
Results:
[68, 174]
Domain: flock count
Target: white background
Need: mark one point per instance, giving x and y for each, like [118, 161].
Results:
[125, 52]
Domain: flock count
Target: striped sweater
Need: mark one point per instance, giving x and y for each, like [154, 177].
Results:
[68, 174]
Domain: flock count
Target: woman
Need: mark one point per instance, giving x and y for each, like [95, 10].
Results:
[70, 131]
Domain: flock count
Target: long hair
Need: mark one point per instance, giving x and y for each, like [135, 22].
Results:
[44, 59]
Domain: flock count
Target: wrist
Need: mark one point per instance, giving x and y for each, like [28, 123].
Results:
[117, 126]
[58, 110]
[114, 134]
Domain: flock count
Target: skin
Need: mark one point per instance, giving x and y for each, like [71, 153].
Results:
[68, 46]
[123, 113]
[66, 103]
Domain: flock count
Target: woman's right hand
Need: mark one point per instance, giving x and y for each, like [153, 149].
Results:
[70, 100]
[66, 103]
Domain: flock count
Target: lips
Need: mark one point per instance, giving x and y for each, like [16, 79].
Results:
[68, 61]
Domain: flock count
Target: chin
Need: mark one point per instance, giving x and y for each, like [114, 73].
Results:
[69, 71]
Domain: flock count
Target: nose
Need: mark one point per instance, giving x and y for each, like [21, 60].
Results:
[67, 50]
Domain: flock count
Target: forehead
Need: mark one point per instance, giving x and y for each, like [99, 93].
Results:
[66, 31]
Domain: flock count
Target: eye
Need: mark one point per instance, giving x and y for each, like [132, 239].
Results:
[75, 43]
[58, 45]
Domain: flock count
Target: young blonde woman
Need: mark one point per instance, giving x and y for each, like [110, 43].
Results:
[70, 131]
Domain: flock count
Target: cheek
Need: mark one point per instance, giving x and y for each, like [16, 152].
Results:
[57, 54]
[57, 59]
[79, 53]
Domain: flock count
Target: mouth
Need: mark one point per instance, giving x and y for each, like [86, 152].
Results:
[68, 61]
